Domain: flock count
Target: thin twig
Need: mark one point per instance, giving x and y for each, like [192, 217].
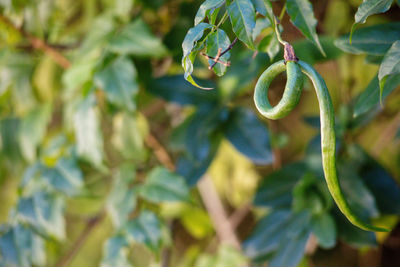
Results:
[239, 214]
[160, 152]
[216, 60]
[80, 241]
[38, 44]
[219, 55]
[217, 212]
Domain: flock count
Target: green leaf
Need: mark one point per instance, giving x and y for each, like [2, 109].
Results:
[176, 89]
[9, 140]
[118, 80]
[302, 16]
[390, 65]
[381, 184]
[203, 125]
[216, 41]
[206, 7]
[351, 234]
[32, 130]
[136, 39]
[281, 236]
[128, 135]
[80, 72]
[243, 19]
[368, 8]
[270, 45]
[190, 48]
[260, 6]
[373, 40]
[359, 197]
[20, 247]
[275, 190]
[9, 250]
[44, 213]
[192, 169]
[87, 131]
[324, 228]
[161, 185]
[261, 25]
[266, 235]
[264, 7]
[228, 256]
[193, 35]
[249, 136]
[121, 200]
[145, 229]
[293, 243]
[201, 140]
[369, 98]
[115, 252]
[65, 177]
[101, 29]
[196, 221]
[307, 195]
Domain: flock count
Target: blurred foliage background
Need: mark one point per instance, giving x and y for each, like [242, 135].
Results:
[110, 158]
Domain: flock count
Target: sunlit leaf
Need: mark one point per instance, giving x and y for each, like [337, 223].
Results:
[368, 8]
[20, 247]
[190, 48]
[122, 199]
[302, 16]
[115, 252]
[161, 185]
[390, 64]
[206, 7]
[118, 80]
[145, 229]
[128, 135]
[372, 40]
[369, 98]
[44, 212]
[32, 131]
[242, 15]
[87, 131]
[136, 39]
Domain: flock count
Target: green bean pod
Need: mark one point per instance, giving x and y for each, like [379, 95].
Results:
[291, 95]
[289, 100]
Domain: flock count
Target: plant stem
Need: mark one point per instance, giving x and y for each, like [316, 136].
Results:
[278, 33]
[289, 54]
[282, 12]
[224, 17]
